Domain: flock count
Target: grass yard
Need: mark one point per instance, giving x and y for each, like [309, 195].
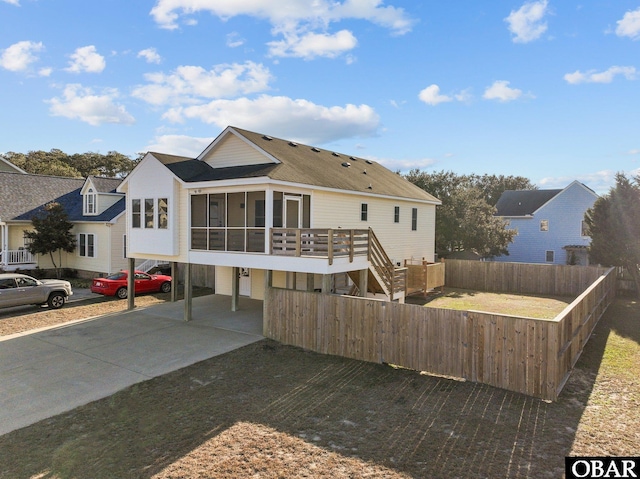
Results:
[543, 307]
[273, 411]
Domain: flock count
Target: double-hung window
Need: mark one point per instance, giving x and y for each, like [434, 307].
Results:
[364, 211]
[135, 214]
[414, 219]
[86, 245]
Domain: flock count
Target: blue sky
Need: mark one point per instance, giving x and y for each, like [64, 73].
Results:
[546, 89]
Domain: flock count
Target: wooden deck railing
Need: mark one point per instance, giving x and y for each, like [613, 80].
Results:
[323, 243]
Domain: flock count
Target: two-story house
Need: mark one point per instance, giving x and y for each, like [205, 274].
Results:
[549, 224]
[251, 204]
[94, 207]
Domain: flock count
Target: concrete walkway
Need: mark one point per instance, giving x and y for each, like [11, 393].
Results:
[45, 373]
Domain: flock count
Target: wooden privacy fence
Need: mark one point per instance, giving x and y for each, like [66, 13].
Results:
[424, 277]
[530, 356]
[523, 278]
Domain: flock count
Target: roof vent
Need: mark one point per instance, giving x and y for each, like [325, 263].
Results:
[365, 171]
[334, 154]
[369, 187]
[353, 158]
[315, 149]
[265, 137]
[369, 162]
[346, 164]
[292, 143]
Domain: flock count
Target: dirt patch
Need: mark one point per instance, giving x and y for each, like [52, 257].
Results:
[530, 306]
[274, 411]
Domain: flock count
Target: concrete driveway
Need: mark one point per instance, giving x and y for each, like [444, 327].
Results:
[46, 373]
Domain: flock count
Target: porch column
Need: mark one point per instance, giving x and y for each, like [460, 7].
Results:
[326, 283]
[174, 282]
[131, 293]
[364, 282]
[266, 317]
[188, 293]
[235, 288]
[310, 282]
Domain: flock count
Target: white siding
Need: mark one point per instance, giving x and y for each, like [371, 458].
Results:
[232, 151]
[106, 201]
[153, 180]
[337, 210]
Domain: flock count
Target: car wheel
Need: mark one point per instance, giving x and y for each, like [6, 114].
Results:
[56, 300]
[165, 287]
[122, 293]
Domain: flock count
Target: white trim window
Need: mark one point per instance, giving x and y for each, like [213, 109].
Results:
[544, 225]
[414, 219]
[87, 245]
[136, 214]
[550, 256]
[90, 202]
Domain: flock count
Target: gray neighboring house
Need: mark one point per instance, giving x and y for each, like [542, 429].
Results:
[94, 207]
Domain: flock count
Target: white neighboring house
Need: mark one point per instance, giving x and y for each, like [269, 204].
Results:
[94, 207]
[251, 203]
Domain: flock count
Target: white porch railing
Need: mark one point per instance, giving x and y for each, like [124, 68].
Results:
[16, 256]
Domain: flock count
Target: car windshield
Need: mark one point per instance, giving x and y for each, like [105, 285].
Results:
[116, 276]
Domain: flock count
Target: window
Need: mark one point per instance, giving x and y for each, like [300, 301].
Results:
[86, 245]
[584, 229]
[549, 256]
[414, 219]
[544, 225]
[148, 213]
[163, 213]
[135, 213]
[364, 211]
[396, 214]
[90, 202]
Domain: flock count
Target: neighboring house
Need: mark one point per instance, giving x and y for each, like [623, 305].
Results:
[92, 205]
[250, 203]
[8, 167]
[549, 224]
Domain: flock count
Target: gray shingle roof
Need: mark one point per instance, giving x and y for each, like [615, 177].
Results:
[105, 185]
[523, 202]
[304, 165]
[23, 195]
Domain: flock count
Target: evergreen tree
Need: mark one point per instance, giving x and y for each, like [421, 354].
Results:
[52, 233]
[614, 227]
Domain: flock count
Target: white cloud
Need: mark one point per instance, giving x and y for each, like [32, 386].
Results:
[82, 104]
[19, 56]
[501, 91]
[298, 120]
[181, 145]
[86, 59]
[45, 72]
[303, 23]
[606, 76]
[629, 26]
[150, 55]
[526, 23]
[234, 40]
[187, 83]
[12, 2]
[405, 165]
[312, 45]
[431, 96]
[599, 181]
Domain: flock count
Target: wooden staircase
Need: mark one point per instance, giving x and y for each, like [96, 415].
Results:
[384, 277]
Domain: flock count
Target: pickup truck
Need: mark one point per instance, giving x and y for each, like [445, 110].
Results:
[20, 289]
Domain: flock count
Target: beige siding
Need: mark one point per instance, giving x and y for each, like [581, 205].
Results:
[338, 210]
[232, 151]
[106, 201]
[224, 276]
[257, 284]
[102, 237]
[118, 230]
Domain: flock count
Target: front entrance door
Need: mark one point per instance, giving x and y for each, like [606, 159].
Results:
[292, 211]
[244, 288]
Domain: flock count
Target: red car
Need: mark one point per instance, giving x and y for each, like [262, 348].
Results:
[116, 284]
